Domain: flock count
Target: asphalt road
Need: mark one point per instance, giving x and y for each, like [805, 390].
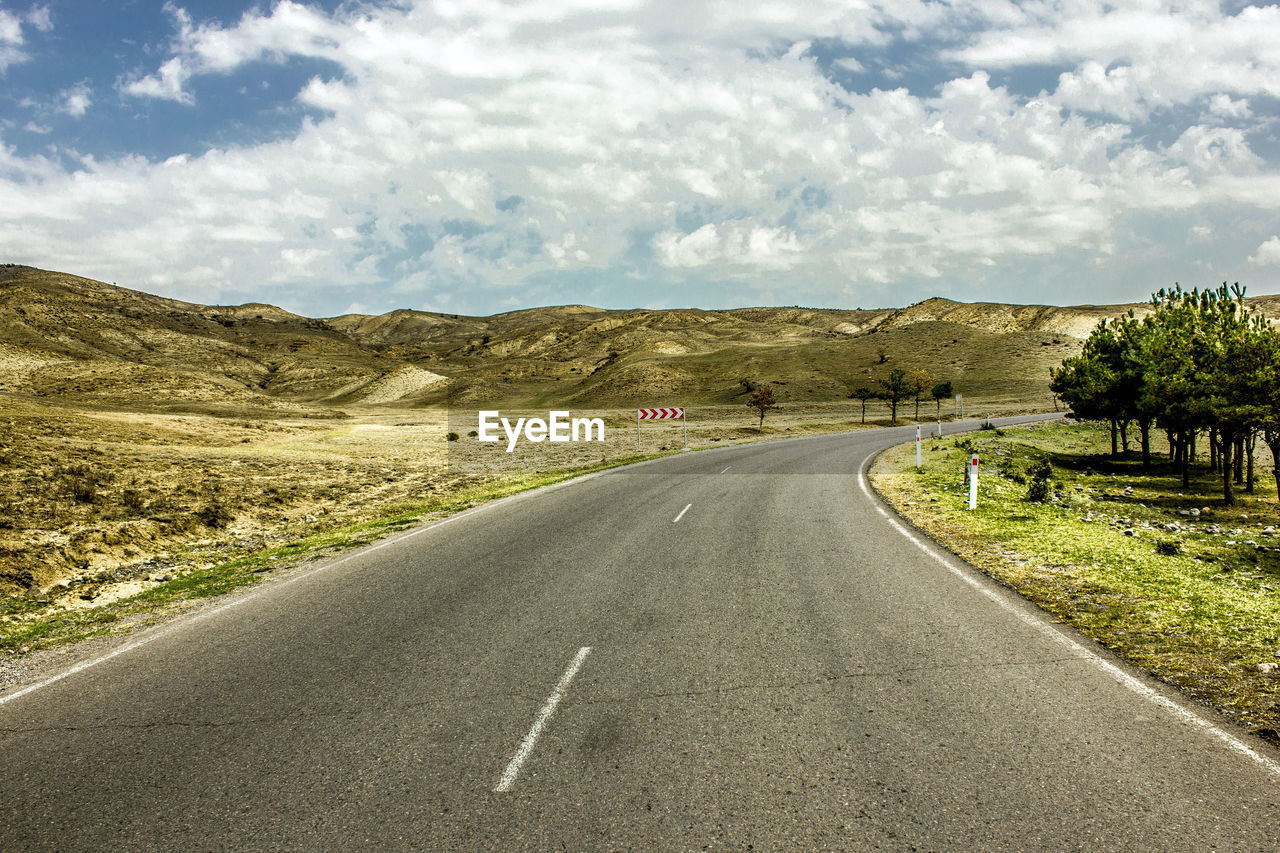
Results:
[780, 669]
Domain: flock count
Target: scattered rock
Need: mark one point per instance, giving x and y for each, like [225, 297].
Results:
[1267, 667]
[1128, 531]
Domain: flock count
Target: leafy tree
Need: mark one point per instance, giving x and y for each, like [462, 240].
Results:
[895, 389]
[1106, 381]
[1241, 376]
[1201, 360]
[941, 391]
[862, 393]
[762, 400]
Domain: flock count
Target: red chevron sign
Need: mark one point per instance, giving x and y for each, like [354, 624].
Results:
[659, 414]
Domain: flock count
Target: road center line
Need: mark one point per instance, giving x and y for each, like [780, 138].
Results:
[509, 775]
[682, 512]
[1226, 738]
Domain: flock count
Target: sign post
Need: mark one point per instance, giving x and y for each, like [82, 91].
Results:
[973, 482]
[959, 407]
[917, 445]
[661, 415]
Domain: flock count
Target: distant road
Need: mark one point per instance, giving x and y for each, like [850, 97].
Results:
[729, 649]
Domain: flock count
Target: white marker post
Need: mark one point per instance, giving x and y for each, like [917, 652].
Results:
[917, 446]
[939, 427]
[637, 430]
[973, 482]
[684, 419]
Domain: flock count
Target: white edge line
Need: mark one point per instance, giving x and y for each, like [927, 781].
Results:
[682, 512]
[1085, 653]
[512, 770]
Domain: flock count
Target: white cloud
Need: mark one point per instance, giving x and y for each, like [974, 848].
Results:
[1132, 58]
[1268, 254]
[76, 100]
[1225, 106]
[11, 35]
[40, 18]
[683, 139]
[166, 84]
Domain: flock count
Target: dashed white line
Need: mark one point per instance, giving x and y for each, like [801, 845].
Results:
[682, 512]
[509, 775]
[726, 468]
[1085, 653]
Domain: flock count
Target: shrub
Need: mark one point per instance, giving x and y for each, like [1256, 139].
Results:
[134, 501]
[1168, 547]
[1041, 487]
[82, 483]
[214, 515]
[453, 436]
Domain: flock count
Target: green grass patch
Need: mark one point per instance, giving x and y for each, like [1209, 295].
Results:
[1168, 577]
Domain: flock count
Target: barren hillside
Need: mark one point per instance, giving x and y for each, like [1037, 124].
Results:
[82, 341]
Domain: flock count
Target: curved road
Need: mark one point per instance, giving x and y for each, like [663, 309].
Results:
[731, 649]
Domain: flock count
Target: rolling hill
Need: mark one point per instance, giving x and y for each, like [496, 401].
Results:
[86, 342]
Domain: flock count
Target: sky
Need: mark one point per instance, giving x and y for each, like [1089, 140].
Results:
[479, 156]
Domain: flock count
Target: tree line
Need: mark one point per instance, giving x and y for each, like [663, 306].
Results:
[900, 386]
[1200, 363]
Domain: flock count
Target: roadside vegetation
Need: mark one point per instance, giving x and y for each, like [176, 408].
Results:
[1162, 571]
[1200, 363]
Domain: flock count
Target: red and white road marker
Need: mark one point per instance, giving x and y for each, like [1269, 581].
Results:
[664, 414]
